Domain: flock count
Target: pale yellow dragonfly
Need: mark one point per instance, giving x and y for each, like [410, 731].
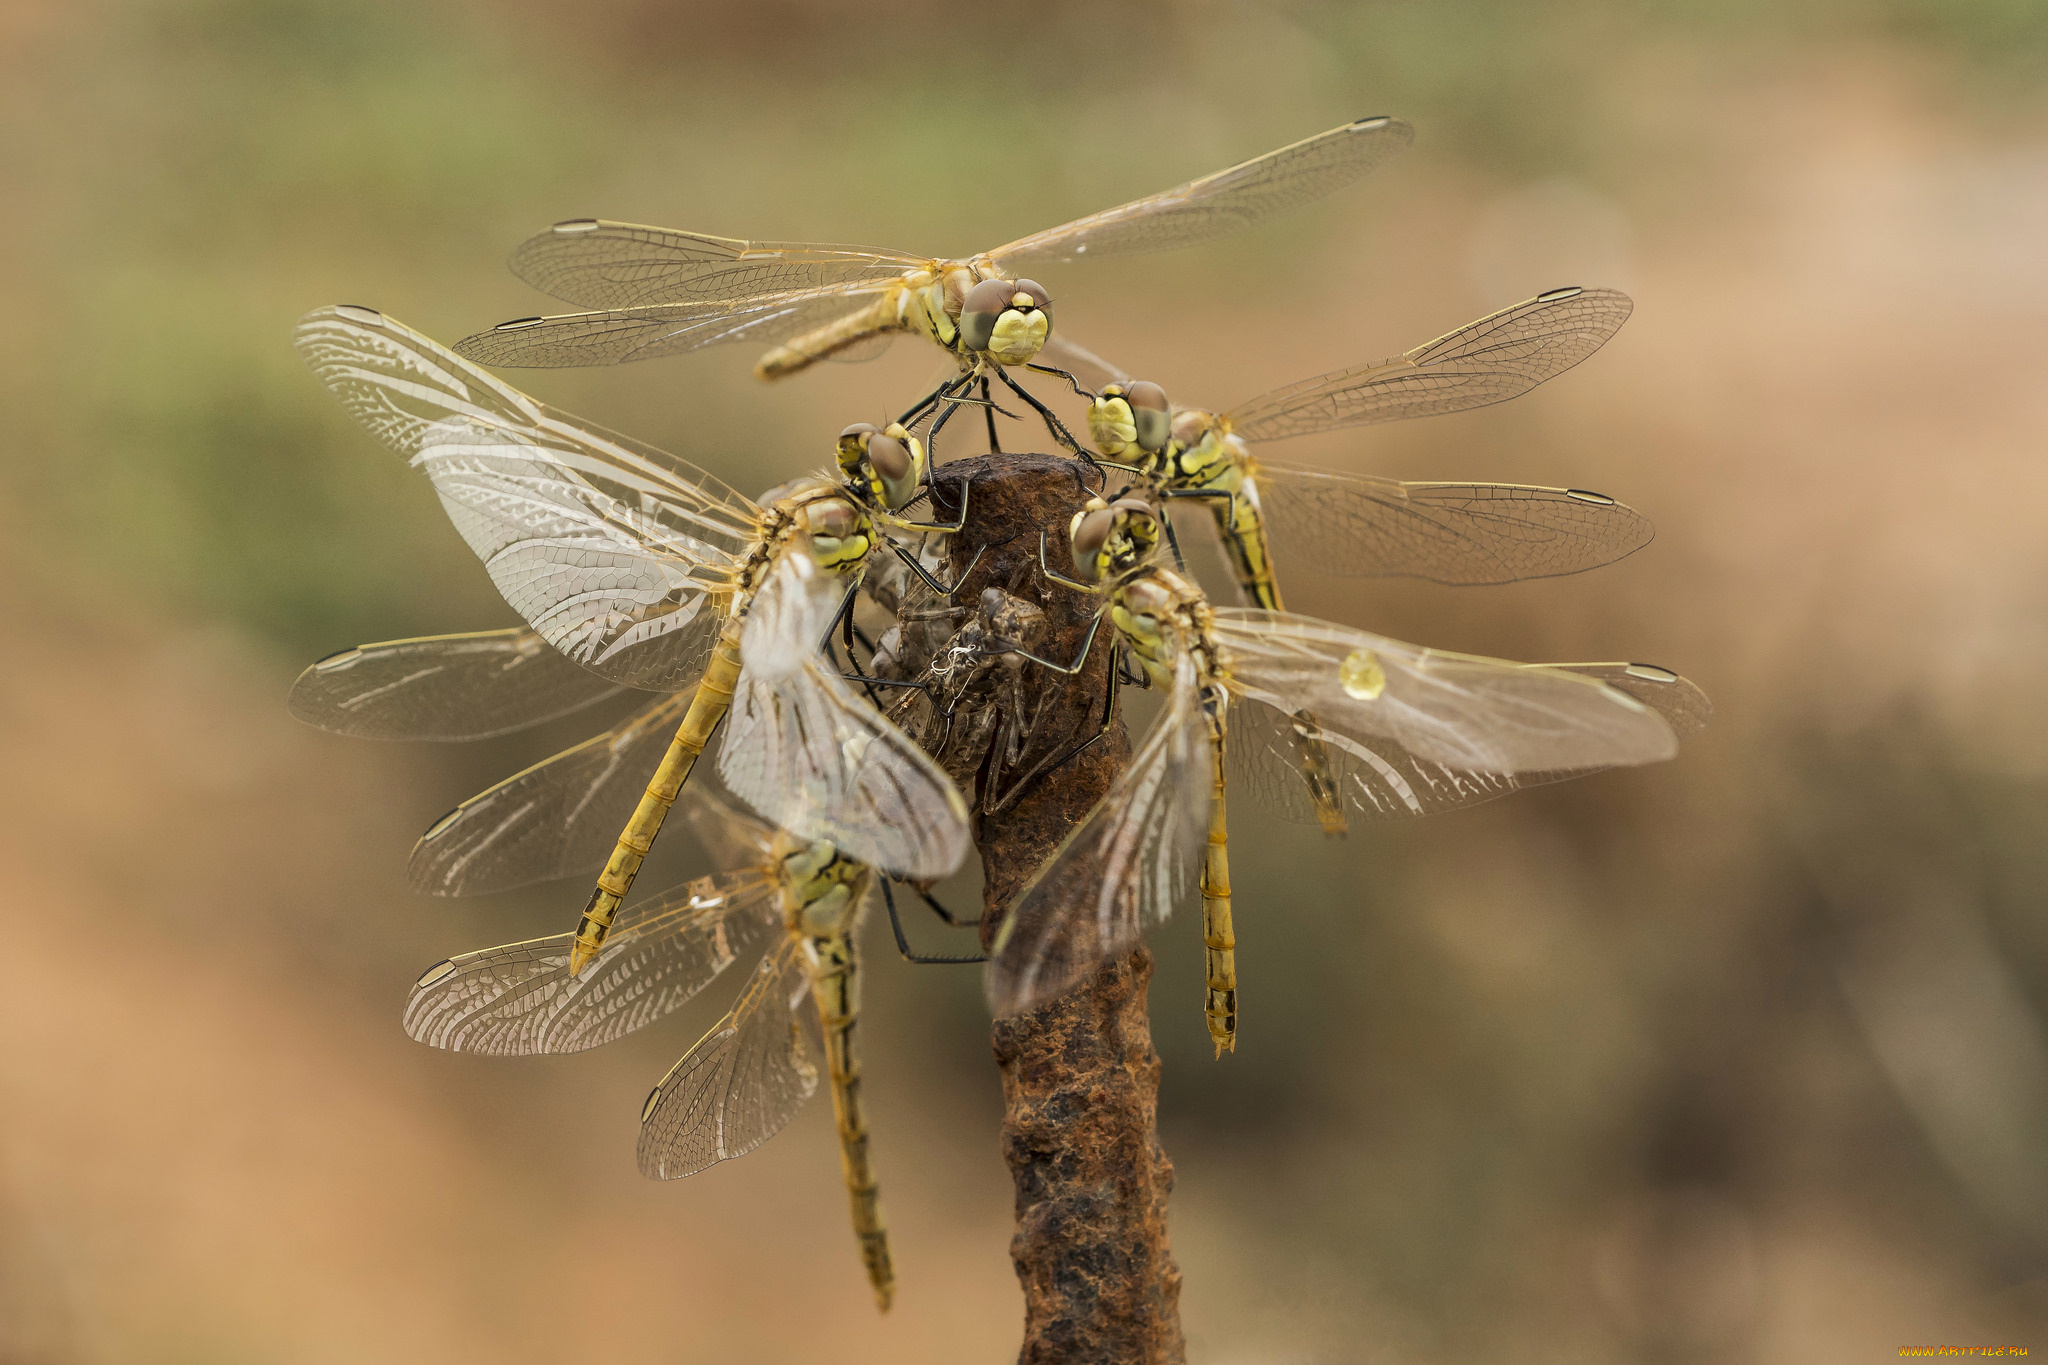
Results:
[798, 903]
[663, 291]
[1458, 533]
[1406, 731]
[650, 573]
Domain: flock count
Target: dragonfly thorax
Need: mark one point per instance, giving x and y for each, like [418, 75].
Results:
[1154, 612]
[837, 530]
[932, 299]
[1202, 453]
[820, 885]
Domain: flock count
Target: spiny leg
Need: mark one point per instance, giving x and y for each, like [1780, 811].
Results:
[903, 944]
[988, 411]
[1052, 422]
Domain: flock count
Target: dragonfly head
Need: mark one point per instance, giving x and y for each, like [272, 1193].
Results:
[838, 531]
[1112, 538]
[885, 466]
[1009, 319]
[1130, 417]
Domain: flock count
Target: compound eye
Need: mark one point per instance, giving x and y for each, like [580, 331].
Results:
[860, 430]
[1032, 290]
[980, 310]
[1151, 416]
[1146, 396]
[1091, 532]
[889, 456]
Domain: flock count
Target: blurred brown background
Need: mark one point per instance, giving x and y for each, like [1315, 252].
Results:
[1736, 1059]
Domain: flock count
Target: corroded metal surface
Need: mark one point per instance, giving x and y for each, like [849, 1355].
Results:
[1080, 1077]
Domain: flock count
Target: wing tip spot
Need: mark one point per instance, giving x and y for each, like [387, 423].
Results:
[1568, 291]
[356, 312]
[440, 971]
[518, 324]
[570, 226]
[1585, 495]
[340, 659]
[440, 826]
[1651, 673]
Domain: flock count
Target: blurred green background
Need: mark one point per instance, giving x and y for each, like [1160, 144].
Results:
[1735, 1059]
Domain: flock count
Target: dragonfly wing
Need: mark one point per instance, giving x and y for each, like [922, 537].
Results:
[1460, 533]
[559, 818]
[743, 1080]
[1679, 700]
[614, 336]
[1127, 865]
[1498, 357]
[490, 682]
[1413, 730]
[520, 1000]
[618, 554]
[597, 263]
[1217, 205]
[813, 756]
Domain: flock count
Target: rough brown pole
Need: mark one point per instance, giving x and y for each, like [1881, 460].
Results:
[1080, 1078]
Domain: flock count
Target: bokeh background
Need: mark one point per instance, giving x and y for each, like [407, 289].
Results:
[1740, 1058]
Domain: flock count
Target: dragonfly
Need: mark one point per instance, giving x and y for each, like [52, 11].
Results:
[1456, 533]
[1407, 731]
[798, 905]
[664, 291]
[651, 573]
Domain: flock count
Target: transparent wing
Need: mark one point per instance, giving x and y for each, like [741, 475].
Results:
[1126, 866]
[1495, 358]
[559, 818]
[743, 1080]
[617, 335]
[519, 1000]
[1092, 370]
[1415, 730]
[1216, 205]
[597, 263]
[618, 554]
[1679, 700]
[813, 756]
[1461, 533]
[489, 682]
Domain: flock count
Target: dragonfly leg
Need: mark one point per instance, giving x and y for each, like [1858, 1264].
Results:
[1079, 660]
[917, 411]
[942, 528]
[1054, 576]
[1051, 764]
[988, 411]
[903, 944]
[1062, 374]
[1052, 422]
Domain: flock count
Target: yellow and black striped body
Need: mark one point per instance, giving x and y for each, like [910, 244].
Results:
[1157, 614]
[925, 301]
[839, 534]
[823, 896]
[1205, 455]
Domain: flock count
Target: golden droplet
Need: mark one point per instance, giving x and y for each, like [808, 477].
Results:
[1362, 675]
